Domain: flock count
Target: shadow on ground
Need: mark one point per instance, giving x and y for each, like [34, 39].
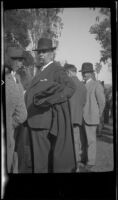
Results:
[106, 135]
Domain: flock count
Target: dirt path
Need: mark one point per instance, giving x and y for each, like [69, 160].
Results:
[104, 159]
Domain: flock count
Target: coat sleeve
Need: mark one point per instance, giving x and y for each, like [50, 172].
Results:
[66, 83]
[65, 88]
[68, 88]
[99, 92]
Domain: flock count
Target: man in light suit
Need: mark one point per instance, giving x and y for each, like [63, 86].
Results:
[93, 110]
[77, 102]
[16, 112]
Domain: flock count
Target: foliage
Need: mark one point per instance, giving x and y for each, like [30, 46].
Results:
[15, 28]
[98, 67]
[25, 26]
[102, 30]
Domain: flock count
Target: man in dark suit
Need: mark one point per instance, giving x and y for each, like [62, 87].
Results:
[49, 121]
[77, 102]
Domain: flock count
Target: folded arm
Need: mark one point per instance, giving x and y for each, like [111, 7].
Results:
[63, 90]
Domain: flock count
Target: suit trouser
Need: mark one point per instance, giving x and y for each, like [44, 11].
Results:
[91, 139]
[77, 142]
[84, 144]
[22, 139]
[49, 154]
[12, 157]
[41, 148]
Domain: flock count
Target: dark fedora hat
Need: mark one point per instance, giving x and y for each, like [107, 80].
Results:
[15, 52]
[44, 44]
[87, 67]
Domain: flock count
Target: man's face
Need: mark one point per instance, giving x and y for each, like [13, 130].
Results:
[71, 73]
[86, 76]
[43, 57]
[16, 64]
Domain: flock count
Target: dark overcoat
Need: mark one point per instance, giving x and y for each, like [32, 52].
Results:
[47, 102]
[77, 101]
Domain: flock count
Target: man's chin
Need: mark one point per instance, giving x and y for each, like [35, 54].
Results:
[41, 62]
[39, 65]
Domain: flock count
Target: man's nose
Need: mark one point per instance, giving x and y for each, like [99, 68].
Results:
[41, 54]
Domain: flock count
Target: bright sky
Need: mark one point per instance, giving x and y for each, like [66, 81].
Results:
[76, 44]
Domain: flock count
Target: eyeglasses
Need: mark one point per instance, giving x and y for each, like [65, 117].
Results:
[43, 51]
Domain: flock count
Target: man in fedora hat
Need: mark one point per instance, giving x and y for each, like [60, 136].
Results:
[16, 112]
[93, 109]
[44, 53]
[49, 121]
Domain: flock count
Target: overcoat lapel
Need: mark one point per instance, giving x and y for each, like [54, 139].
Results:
[40, 75]
[90, 84]
[37, 79]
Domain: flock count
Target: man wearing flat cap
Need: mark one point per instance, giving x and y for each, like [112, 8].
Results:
[49, 122]
[93, 110]
[16, 112]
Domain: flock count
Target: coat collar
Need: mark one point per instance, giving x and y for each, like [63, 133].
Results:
[45, 66]
[90, 83]
[40, 75]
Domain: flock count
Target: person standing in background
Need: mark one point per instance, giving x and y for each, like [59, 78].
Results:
[93, 110]
[16, 112]
[77, 102]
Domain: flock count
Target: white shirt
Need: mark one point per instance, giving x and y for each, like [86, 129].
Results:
[35, 69]
[88, 80]
[13, 75]
[46, 65]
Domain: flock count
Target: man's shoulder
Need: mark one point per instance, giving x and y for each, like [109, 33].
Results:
[9, 80]
[57, 65]
[79, 84]
[92, 83]
[98, 84]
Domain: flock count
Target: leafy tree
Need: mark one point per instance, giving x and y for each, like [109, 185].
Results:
[98, 67]
[15, 28]
[102, 30]
[25, 26]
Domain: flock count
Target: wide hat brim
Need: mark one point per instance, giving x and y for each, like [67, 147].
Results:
[44, 44]
[87, 67]
[86, 70]
[15, 53]
[48, 49]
